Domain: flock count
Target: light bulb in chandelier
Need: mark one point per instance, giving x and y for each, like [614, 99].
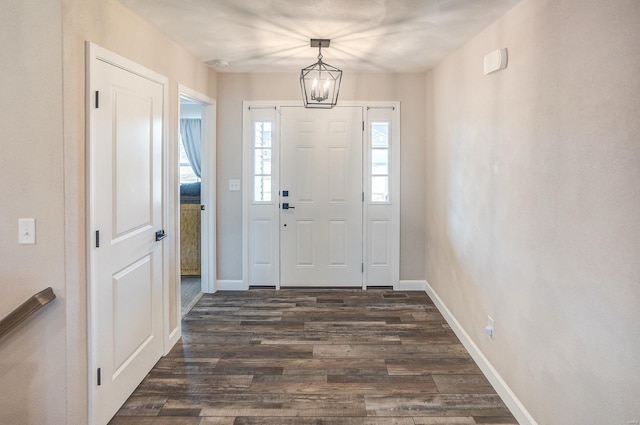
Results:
[320, 95]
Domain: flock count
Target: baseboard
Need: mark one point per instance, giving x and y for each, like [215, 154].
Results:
[411, 285]
[231, 285]
[173, 338]
[513, 403]
[239, 285]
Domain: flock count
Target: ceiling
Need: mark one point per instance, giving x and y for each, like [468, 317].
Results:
[366, 35]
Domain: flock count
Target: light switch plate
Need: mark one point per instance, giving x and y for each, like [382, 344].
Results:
[27, 231]
[234, 185]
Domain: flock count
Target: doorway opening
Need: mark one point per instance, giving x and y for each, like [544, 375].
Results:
[196, 197]
[128, 326]
[321, 202]
[190, 189]
[195, 158]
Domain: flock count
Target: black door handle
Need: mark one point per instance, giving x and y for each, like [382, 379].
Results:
[160, 235]
[286, 206]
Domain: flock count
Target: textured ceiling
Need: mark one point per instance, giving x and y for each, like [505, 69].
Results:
[366, 35]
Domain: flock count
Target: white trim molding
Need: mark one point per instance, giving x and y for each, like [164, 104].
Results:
[504, 391]
[231, 285]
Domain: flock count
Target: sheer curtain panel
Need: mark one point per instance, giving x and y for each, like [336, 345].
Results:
[191, 131]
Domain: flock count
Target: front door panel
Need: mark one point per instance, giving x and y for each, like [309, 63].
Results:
[321, 181]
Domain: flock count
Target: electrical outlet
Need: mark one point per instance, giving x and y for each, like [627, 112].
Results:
[490, 328]
[234, 185]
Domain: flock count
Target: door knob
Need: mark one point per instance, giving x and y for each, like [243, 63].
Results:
[286, 206]
[160, 235]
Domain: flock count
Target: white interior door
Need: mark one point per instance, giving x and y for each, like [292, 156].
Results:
[321, 197]
[126, 210]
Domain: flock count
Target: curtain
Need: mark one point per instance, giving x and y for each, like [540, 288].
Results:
[191, 133]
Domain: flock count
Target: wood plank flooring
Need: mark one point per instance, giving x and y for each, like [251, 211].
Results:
[315, 357]
[190, 293]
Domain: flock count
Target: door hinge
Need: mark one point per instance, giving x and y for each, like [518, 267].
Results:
[99, 376]
[362, 125]
[97, 99]
[362, 196]
[362, 267]
[97, 238]
[201, 207]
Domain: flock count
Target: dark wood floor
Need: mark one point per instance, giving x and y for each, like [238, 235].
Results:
[190, 293]
[315, 357]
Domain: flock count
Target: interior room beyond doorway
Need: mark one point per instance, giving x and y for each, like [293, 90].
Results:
[190, 166]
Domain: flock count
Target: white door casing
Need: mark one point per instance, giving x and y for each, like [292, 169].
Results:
[126, 263]
[207, 191]
[264, 233]
[321, 181]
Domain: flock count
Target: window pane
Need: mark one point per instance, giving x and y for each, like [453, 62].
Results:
[263, 161]
[187, 175]
[380, 161]
[379, 189]
[380, 134]
[183, 154]
[262, 189]
[262, 131]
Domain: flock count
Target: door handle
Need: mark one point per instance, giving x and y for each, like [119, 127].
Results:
[286, 206]
[160, 235]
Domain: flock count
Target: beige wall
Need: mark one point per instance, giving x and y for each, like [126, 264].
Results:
[32, 360]
[406, 88]
[533, 204]
[43, 365]
[529, 189]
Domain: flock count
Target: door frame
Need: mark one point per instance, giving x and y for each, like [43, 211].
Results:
[95, 53]
[394, 188]
[207, 190]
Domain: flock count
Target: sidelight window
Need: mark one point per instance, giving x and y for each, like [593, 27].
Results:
[379, 162]
[262, 159]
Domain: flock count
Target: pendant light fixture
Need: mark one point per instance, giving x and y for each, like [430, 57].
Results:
[320, 82]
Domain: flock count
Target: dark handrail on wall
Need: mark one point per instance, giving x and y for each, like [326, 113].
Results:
[27, 308]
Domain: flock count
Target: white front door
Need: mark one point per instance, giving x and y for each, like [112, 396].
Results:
[321, 197]
[126, 210]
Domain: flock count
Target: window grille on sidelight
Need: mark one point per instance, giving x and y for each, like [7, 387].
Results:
[379, 162]
[263, 150]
